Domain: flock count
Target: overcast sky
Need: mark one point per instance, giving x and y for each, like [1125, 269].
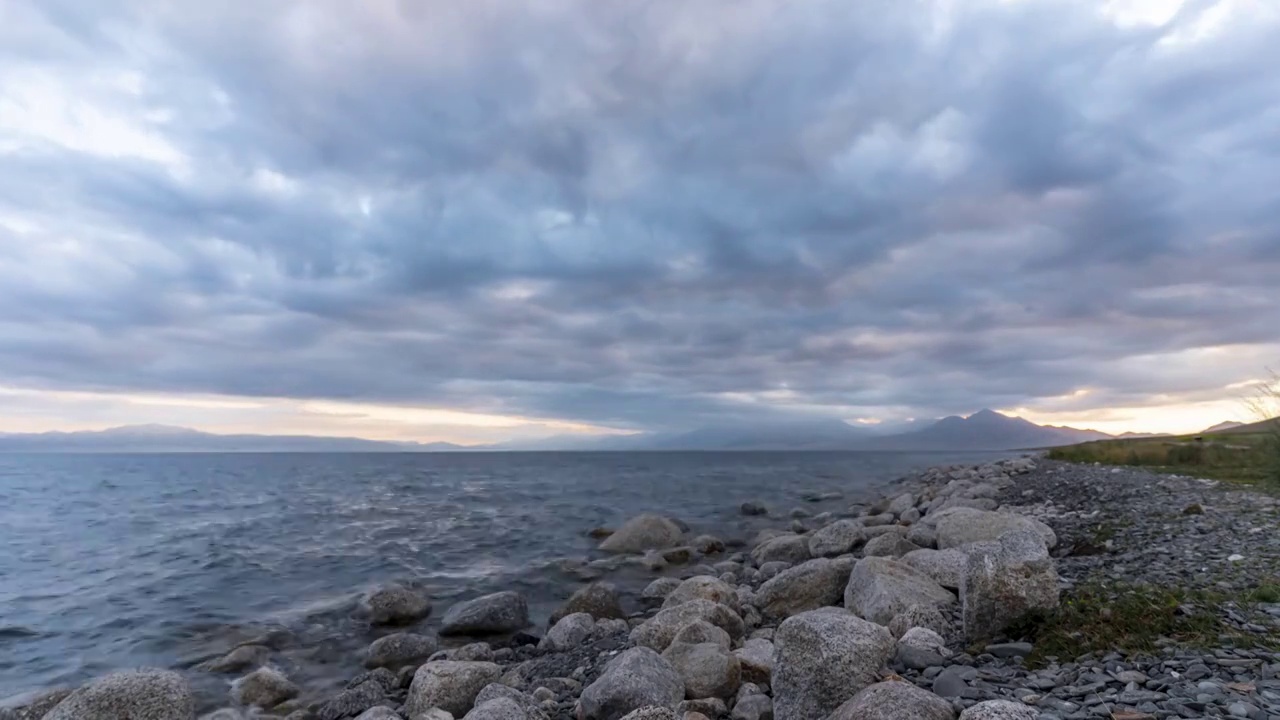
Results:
[490, 219]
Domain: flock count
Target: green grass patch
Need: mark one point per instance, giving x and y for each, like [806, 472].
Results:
[1252, 459]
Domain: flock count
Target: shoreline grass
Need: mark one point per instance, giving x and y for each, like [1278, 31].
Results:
[1245, 458]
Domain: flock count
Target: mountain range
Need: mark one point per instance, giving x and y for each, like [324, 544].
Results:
[984, 430]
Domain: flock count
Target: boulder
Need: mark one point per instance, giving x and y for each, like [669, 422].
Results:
[894, 701]
[753, 508]
[241, 658]
[677, 555]
[925, 616]
[505, 696]
[501, 612]
[838, 538]
[136, 694]
[878, 530]
[652, 712]
[637, 678]
[499, 709]
[708, 670]
[707, 707]
[920, 648]
[888, 545]
[757, 657]
[785, 548]
[753, 707]
[703, 587]
[910, 517]
[902, 503]
[770, 570]
[1005, 581]
[353, 700]
[945, 567]
[941, 504]
[708, 544]
[824, 657]
[880, 588]
[432, 714]
[570, 632]
[396, 605]
[658, 631]
[658, 590]
[450, 685]
[379, 712]
[394, 651]
[265, 687]
[600, 600]
[34, 707]
[701, 631]
[643, 532]
[384, 677]
[961, 526]
[1001, 710]
[472, 651]
[923, 535]
[807, 586]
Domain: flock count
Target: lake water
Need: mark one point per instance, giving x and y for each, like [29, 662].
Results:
[117, 561]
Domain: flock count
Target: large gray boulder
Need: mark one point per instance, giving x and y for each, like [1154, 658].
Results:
[703, 587]
[902, 503]
[396, 605]
[265, 687]
[756, 706]
[353, 700]
[701, 631]
[501, 708]
[961, 526]
[925, 616]
[707, 669]
[658, 631]
[924, 535]
[1005, 581]
[838, 538]
[1000, 710]
[945, 567]
[757, 657]
[637, 678]
[785, 548]
[394, 651]
[643, 532]
[501, 612]
[824, 657]
[600, 600]
[888, 545]
[921, 648]
[136, 694]
[450, 685]
[894, 701]
[807, 586]
[570, 632]
[880, 588]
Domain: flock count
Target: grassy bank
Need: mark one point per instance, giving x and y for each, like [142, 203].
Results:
[1246, 457]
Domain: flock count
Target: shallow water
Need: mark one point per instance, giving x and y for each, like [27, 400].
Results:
[115, 561]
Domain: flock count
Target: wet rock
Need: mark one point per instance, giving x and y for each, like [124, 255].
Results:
[600, 600]
[635, 679]
[265, 687]
[241, 658]
[784, 548]
[703, 587]
[824, 657]
[137, 695]
[894, 701]
[450, 685]
[838, 538]
[658, 632]
[807, 586]
[480, 651]
[394, 651]
[569, 632]
[396, 605]
[708, 544]
[658, 590]
[753, 508]
[880, 588]
[501, 612]
[643, 532]
[353, 701]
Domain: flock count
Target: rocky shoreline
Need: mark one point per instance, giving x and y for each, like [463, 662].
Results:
[956, 595]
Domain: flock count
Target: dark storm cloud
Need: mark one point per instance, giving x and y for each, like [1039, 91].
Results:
[645, 215]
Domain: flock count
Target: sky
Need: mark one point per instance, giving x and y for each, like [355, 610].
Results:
[503, 219]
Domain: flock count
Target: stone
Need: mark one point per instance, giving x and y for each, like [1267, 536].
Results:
[894, 700]
[770, 570]
[635, 679]
[145, 694]
[708, 544]
[450, 685]
[394, 651]
[382, 676]
[962, 526]
[753, 707]
[498, 691]
[241, 658]
[658, 631]
[501, 708]
[945, 567]
[658, 590]
[923, 535]
[786, 548]
[379, 713]
[910, 517]
[807, 586]
[570, 632]
[1000, 710]
[433, 714]
[902, 503]
[265, 687]
[880, 588]
[888, 545]
[472, 651]
[396, 605]
[950, 683]
[757, 657]
[708, 670]
[1010, 649]
[753, 508]
[501, 612]
[838, 538]
[703, 587]
[643, 532]
[1006, 581]
[823, 658]
[701, 631]
[921, 648]
[652, 712]
[600, 600]
[352, 701]
[925, 616]
[677, 555]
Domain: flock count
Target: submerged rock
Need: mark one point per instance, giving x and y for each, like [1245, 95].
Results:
[396, 605]
[643, 532]
[264, 687]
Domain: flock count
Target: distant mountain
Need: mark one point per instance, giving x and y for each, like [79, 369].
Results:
[1140, 435]
[985, 430]
[170, 439]
[1270, 426]
[1220, 427]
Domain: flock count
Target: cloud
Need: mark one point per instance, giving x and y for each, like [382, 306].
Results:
[640, 216]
